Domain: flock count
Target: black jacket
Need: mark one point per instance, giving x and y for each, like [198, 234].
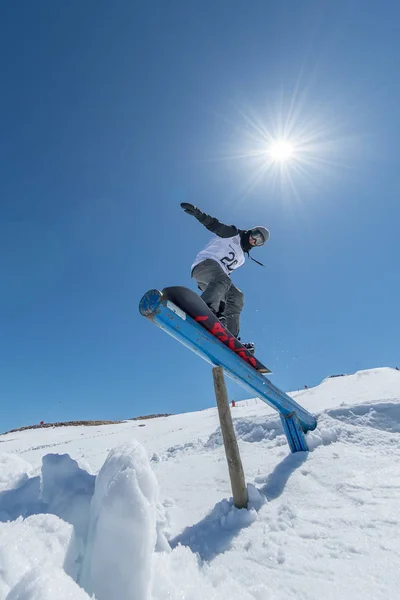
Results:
[224, 231]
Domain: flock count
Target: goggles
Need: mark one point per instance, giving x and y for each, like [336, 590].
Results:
[257, 237]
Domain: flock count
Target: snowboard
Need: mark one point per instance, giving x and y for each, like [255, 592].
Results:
[191, 303]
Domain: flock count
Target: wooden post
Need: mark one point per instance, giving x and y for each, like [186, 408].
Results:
[238, 484]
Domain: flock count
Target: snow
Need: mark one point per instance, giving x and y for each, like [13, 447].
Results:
[123, 519]
[143, 509]
[47, 584]
[37, 542]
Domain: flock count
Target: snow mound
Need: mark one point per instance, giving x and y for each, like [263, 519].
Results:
[29, 544]
[99, 527]
[173, 451]
[361, 387]
[214, 534]
[122, 528]
[382, 415]
[47, 584]
[251, 430]
[14, 470]
[62, 488]
[67, 490]
[356, 424]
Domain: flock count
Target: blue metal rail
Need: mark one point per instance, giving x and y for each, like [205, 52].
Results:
[166, 315]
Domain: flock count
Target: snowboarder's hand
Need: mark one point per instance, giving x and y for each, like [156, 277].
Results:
[190, 209]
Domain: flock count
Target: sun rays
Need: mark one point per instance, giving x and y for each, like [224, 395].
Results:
[289, 145]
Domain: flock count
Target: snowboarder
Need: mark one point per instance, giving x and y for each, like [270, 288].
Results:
[212, 266]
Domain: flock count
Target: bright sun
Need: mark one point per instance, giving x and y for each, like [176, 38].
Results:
[290, 146]
[280, 151]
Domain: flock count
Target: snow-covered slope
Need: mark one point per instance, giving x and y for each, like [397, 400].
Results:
[142, 510]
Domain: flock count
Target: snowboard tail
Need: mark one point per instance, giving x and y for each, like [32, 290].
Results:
[195, 307]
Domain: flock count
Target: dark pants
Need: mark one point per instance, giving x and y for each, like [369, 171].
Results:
[219, 292]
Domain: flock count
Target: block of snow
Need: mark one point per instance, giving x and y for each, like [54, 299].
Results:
[14, 470]
[29, 543]
[122, 532]
[67, 490]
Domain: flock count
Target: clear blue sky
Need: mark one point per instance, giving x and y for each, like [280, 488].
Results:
[112, 113]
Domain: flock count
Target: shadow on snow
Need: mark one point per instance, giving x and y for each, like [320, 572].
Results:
[213, 535]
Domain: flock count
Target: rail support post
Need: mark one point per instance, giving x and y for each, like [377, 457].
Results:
[294, 433]
[236, 474]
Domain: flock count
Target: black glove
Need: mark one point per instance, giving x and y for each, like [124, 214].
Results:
[191, 210]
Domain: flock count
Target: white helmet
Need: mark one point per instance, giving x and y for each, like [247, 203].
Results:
[259, 234]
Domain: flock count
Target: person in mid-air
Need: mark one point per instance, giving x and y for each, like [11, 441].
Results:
[213, 265]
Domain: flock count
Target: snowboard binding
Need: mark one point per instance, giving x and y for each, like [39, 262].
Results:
[222, 319]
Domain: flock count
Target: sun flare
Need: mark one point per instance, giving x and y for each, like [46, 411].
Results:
[291, 146]
[280, 150]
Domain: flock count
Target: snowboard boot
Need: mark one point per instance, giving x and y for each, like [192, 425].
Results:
[220, 314]
[221, 318]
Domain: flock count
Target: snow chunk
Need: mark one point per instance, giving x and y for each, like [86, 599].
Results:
[251, 430]
[47, 584]
[14, 470]
[122, 533]
[62, 488]
[321, 436]
[256, 500]
[29, 543]
[67, 490]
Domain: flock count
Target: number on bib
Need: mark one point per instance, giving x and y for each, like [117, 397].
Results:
[229, 261]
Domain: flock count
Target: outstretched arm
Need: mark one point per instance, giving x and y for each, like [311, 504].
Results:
[211, 223]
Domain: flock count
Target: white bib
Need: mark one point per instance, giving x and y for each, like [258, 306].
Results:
[227, 252]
